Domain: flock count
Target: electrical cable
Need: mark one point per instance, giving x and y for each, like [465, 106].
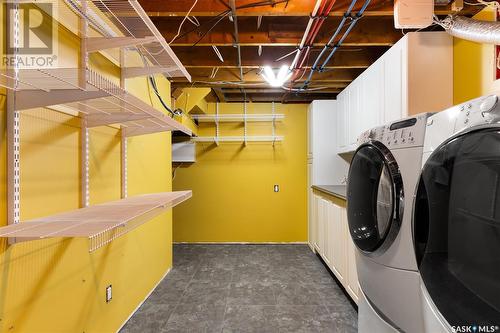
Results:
[211, 28]
[347, 15]
[152, 82]
[346, 33]
[184, 20]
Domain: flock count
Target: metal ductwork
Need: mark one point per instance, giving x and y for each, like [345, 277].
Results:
[486, 32]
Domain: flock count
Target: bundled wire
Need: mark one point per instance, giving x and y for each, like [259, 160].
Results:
[152, 83]
[336, 46]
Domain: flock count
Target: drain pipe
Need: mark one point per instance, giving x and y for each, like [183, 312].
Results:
[486, 32]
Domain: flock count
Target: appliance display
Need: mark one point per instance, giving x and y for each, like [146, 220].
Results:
[457, 218]
[382, 179]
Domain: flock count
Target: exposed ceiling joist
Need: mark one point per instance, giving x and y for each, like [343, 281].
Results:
[284, 31]
[293, 8]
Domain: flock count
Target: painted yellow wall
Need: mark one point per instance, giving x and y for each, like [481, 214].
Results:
[56, 285]
[474, 66]
[233, 198]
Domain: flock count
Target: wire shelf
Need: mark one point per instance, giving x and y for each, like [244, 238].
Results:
[131, 20]
[101, 224]
[264, 138]
[204, 118]
[94, 96]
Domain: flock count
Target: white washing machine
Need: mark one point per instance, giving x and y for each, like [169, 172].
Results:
[382, 180]
[457, 219]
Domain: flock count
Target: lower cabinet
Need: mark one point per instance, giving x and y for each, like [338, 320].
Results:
[330, 238]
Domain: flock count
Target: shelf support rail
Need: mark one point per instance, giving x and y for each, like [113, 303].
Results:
[217, 123]
[84, 139]
[273, 111]
[13, 129]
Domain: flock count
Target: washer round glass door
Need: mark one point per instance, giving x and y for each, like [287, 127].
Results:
[374, 197]
[457, 228]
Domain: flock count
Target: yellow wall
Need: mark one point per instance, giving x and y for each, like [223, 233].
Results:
[474, 66]
[56, 285]
[233, 198]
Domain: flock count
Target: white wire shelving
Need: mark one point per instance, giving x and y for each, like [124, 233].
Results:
[235, 139]
[124, 23]
[102, 223]
[124, 26]
[238, 118]
[244, 118]
[98, 100]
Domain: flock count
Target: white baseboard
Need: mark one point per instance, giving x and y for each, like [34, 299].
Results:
[144, 300]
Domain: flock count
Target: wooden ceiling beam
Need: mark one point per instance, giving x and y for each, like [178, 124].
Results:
[346, 57]
[281, 97]
[293, 8]
[282, 31]
[230, 74]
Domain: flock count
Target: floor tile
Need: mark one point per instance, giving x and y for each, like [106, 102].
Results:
[195, 318]
[251, 293]
[296, 294]
[150, 318]
[245, 288]
[250, 319]
[305, 319]
[213, 292]
[168, 291]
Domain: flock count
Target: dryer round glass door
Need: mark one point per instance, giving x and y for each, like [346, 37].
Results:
[374, 197]
[457, 228]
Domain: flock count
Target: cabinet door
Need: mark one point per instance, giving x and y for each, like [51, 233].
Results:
[393, 83]
[329, 234]
[315, 216]
[372, 107]
[338, 248]
[341, 123]
[352, 284]
[312, 217]
[322, 216]
[353, 113]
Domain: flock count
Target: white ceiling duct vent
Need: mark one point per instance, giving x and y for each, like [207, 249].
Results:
[413, 14]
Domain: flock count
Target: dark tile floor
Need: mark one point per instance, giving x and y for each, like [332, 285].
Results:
[245, 288]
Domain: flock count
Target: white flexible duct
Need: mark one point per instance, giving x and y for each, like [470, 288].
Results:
[487, 32]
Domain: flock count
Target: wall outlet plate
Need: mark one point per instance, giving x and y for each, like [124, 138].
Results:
[276, 188]
[109, 293]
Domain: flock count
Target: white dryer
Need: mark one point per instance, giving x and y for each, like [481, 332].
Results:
[457, 219]
[382, 180]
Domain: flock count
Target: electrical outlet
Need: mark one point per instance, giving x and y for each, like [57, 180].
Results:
[276, 188]
[109, 293]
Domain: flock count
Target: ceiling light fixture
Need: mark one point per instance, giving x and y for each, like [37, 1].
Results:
[276, 80]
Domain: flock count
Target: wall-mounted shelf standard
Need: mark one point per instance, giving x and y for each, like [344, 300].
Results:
[264, 138]
[97, 99]
[102, 223]
[237, 118]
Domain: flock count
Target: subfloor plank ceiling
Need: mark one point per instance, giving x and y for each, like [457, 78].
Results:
[267, 31]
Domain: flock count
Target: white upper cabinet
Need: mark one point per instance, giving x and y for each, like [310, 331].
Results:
[412, 77]
[394, 94]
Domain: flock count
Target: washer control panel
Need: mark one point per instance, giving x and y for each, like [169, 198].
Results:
[404, 133]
